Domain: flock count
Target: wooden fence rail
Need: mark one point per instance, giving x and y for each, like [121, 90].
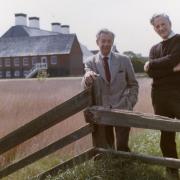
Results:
[68, 164]
[168, 162]
[97, 117]
[47, 150]
[116, 117]
[47, 120]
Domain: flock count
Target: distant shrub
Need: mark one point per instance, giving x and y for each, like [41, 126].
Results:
[42, 75]
[137, 60]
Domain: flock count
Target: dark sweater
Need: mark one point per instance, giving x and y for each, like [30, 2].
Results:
[163, 57]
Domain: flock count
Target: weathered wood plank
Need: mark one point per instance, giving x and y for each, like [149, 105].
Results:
[68, 164]
[47, 120]
[97, 92]
[168, 162]
[46, 151]
[98, 136]
[116, 117]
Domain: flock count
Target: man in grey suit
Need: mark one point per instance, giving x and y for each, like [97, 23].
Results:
[119, 86]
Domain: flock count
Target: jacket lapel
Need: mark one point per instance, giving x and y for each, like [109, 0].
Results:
[114, 66]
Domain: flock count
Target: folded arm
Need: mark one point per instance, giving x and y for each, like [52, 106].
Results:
[167, 61]
[163, 66]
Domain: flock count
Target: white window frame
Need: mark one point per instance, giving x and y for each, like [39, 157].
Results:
[16, 73]
[7, 62]
[1, 74]
[25, 61]
[8, 74]
[54, 60]
[44, 59]
[16, 62]
[1, 62]
[34, 60]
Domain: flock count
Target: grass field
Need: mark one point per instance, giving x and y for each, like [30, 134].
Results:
[24, 100]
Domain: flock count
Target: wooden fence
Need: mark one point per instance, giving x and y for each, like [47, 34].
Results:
[96, 117]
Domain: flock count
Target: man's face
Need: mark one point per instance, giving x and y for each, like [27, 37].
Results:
[162, 26]
[105, 42]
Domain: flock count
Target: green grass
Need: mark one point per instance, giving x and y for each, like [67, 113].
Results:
[110, 167]
[36, 168]
[114, 168]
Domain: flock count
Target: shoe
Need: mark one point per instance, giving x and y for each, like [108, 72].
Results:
[126, 149]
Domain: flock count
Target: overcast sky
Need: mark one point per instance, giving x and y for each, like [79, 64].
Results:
[128, 19]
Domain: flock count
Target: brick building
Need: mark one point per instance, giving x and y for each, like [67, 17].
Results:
[22, 47]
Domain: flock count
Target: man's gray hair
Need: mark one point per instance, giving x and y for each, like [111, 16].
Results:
[105, 31]
[159, 15]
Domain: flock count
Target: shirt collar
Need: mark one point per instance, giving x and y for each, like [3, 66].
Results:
[102, 56]
[172, 34]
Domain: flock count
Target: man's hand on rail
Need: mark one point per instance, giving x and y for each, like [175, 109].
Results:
[90, 77]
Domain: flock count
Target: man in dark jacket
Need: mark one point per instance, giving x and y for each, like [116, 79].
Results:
[164, 67]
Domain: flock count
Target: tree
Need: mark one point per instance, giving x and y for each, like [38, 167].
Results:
[137, 60]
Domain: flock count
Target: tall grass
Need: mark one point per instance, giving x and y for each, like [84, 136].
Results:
[109, 168]
[27, 99]
[115, 168]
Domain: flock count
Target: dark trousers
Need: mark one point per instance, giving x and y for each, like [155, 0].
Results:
[167, 103]
[122, 137]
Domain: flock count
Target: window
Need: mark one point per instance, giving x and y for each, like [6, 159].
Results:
[25, 61]
[1, 62]
[1, 74]
[44, 59]
[8, 74]
[53, 59]
[7, 62]
[16, 73]
[34, 60]
[16, 62]
[25, 73]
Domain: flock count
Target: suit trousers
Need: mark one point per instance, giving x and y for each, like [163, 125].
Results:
[166, 102]
[122, 137]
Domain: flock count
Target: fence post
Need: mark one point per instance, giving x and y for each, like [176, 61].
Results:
[98, 136]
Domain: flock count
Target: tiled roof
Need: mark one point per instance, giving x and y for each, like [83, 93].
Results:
[17, 31]
[27, 41]
[37, 45]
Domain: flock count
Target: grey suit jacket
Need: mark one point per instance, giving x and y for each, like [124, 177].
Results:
[122, 91]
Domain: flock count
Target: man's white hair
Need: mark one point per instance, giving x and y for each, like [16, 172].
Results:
[105, 31]
[159, 15]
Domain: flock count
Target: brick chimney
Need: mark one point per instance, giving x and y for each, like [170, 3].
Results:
[34, 22]
[56, 27]
[65, 29]
[21, 19]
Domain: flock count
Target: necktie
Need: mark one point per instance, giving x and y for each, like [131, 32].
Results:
[106, 69]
